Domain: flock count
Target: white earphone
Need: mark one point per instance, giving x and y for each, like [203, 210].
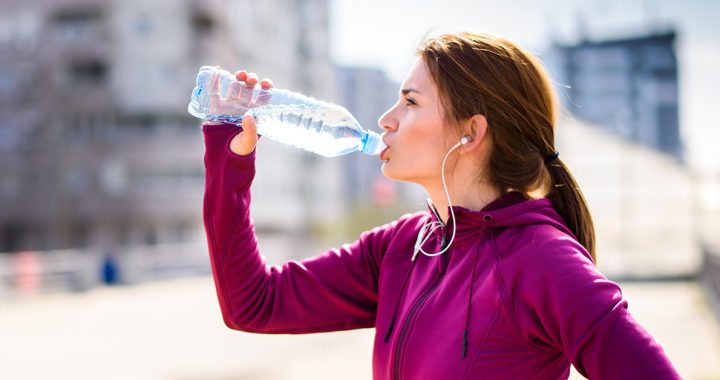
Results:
[426, 231]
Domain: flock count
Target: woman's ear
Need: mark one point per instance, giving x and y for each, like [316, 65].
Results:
[476, 130]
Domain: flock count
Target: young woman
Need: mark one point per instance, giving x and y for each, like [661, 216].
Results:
[496, 280]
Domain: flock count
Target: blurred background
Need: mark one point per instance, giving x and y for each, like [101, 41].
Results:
[103, 261]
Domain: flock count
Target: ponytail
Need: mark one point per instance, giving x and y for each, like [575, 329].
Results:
[569, 202]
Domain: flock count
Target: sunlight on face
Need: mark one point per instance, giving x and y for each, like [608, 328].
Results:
[415, 131]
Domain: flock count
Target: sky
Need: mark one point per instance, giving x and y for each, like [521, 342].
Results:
[384, 34]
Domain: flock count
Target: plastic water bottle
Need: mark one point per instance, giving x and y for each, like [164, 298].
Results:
[288, 117]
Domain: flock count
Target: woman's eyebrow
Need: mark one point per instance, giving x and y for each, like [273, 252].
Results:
[406, 91]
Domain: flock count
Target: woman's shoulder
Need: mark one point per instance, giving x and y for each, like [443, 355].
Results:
[539, 243]
[547, 257]
[396, 235]
[405, 223]
[400, 226]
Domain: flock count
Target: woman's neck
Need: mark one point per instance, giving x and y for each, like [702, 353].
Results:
[468, 194]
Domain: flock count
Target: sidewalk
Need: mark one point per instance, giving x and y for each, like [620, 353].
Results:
[173, 331]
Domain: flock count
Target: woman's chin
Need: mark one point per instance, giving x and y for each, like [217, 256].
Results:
[389, 172]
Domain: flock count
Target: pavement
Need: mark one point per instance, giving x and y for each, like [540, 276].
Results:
[172, 330]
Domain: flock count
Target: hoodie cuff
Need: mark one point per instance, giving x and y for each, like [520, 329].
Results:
[223, 134]
[207, 127]
[244, 161]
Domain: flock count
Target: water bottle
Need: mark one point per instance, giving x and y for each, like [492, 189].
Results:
[288, 117]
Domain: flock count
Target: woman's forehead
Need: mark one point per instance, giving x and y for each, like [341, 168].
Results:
[418, 79]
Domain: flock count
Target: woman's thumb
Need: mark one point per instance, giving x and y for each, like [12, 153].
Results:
[249, 127]
[244, 142]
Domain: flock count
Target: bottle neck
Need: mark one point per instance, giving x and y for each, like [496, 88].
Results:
[372, 144]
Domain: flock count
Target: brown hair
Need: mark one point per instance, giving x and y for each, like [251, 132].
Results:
[491, 76]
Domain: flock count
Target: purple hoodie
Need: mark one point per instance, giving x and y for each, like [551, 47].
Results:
[515, 297]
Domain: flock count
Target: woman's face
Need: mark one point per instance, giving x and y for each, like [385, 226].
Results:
[414, 131]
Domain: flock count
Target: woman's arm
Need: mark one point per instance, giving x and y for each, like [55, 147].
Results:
[334, 291]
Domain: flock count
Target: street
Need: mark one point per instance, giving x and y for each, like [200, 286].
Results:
[172, 330]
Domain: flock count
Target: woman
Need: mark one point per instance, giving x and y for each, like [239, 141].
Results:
[495, 281]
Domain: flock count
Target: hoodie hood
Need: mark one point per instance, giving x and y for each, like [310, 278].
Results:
[512, 209]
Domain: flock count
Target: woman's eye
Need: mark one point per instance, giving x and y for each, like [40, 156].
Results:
[410, 101]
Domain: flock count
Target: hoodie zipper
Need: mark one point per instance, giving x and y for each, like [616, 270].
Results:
[408, 320]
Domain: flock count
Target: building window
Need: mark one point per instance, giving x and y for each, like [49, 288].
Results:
[12, 235]
[668, 134]
[143, 25]
[73, 23]
[88, 72]
[150, 236]
[79, 234]
[202, 24]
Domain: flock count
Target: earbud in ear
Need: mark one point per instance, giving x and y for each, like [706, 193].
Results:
[465, 139]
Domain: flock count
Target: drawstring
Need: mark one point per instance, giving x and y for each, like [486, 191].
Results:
[397, 303]
[466, 327]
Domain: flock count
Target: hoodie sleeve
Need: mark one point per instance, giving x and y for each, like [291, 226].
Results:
[333, 291]
[567, 305]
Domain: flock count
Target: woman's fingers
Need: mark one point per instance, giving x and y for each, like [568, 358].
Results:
[264, 95]
[266, 83]
[234, 90]
[241, 75]
[247, 90]
[250, 80]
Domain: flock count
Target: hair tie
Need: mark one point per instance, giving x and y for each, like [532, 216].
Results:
[551, 157]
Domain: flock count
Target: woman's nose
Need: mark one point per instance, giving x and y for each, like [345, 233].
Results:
[386, 121]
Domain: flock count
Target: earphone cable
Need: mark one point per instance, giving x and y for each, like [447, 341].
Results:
[434, 225]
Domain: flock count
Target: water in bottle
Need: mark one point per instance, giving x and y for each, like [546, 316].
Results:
[284, 116]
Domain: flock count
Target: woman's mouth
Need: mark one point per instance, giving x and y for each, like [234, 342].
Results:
[383, 154]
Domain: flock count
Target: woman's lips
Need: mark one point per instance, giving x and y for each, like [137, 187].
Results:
[382, 154]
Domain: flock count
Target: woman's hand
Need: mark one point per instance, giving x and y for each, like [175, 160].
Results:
[244, 142]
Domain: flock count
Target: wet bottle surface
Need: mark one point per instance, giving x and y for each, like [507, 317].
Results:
[284, 116]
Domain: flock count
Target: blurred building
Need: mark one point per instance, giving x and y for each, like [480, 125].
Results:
[96, 146]
[626, 85]
[368, 93]
[643, 203]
